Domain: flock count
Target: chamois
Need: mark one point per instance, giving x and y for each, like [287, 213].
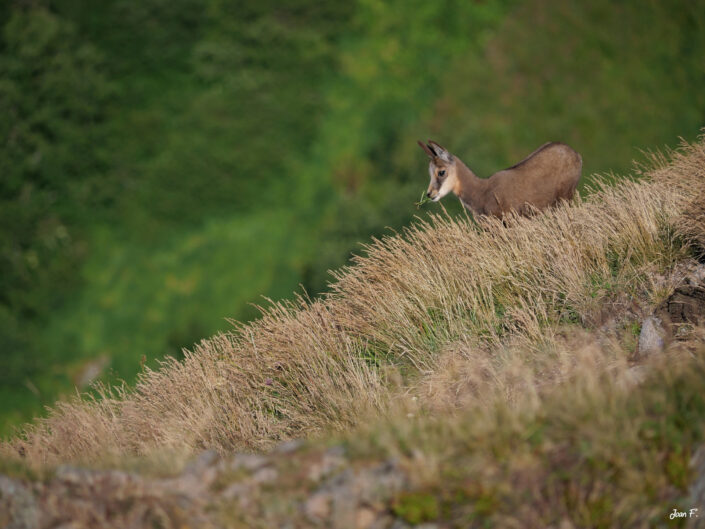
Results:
[547, 175]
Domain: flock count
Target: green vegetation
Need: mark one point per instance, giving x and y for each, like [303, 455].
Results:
[416, 507]
[166, 163]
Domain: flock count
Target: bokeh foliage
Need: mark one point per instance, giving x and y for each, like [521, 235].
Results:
[163, 164]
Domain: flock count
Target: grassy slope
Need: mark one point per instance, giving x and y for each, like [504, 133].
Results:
[171, 228]
[491, 363]
[445, 287]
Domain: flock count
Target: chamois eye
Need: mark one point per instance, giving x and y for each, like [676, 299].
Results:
[441, 174]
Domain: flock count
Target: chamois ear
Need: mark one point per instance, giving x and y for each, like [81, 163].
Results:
[427, 149]
[441, 152]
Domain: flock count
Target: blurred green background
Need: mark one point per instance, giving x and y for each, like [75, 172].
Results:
[166, 163]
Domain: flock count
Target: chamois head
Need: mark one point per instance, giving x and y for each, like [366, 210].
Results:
[441, 168]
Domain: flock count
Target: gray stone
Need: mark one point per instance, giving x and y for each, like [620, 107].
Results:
[18, 507]
[377, 484]
[336, 451]
[317, 507]
[329, 462]
[249, 462]
[344, 507]
[288, 447]
[235, 490]
[651, 339]
[203, 461]
[265, 475]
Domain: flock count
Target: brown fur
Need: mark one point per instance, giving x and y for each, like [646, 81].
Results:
[548, 175]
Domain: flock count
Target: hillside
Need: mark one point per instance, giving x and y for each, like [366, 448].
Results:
[459, 373]
[165, 163]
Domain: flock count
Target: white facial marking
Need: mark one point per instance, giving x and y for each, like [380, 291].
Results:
[447, 186]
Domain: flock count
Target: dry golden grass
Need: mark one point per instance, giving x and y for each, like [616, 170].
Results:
[430, 313]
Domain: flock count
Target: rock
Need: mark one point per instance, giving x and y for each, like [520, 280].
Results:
[354, 498]
[364, 518]
[331, 460]
[686, 304]
[697, 276]
[202, 462]
[199, 474]
[288, 447]
[317, 507]
[249, 462]
[336, 451]
[18, 507]
[375, 485]
[235, 490]
[683, 310]
[265, 475]
[651, 338]
[344, 506]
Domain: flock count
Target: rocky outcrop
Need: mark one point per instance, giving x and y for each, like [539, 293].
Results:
[676, 317]
[309, 489]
